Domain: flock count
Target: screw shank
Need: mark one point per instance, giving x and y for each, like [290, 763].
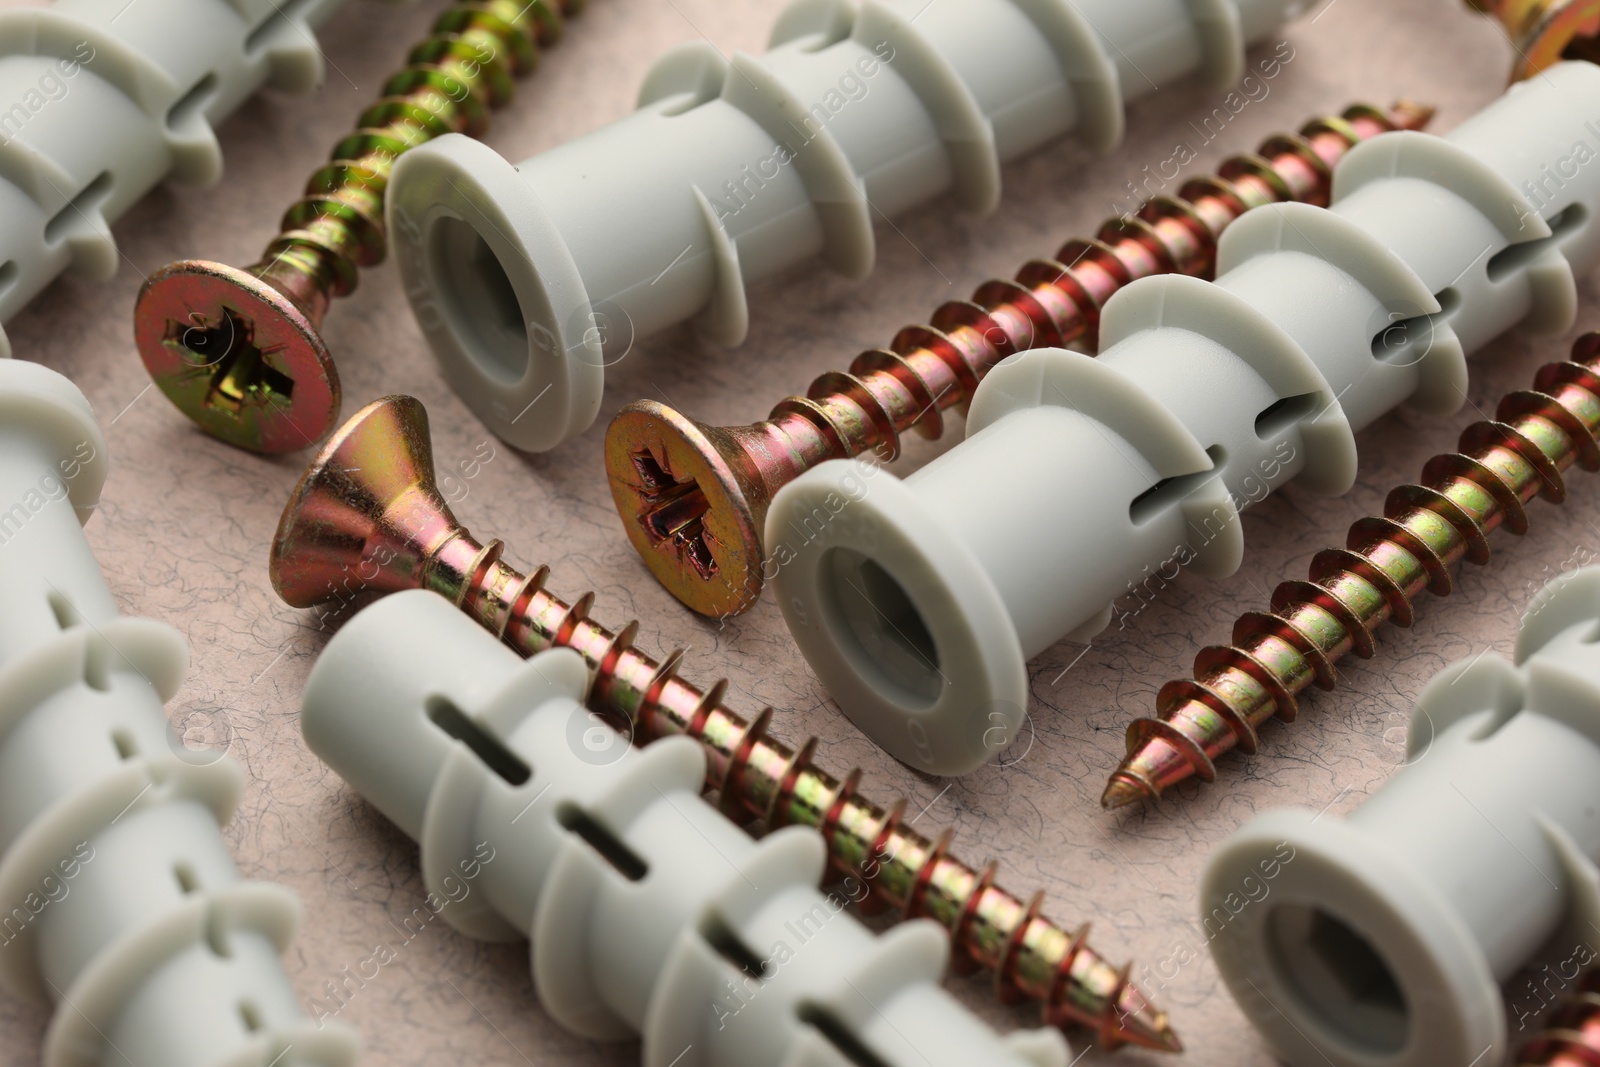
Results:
[764, 779]
[463, 69]
[571, 835]
[1425, 531]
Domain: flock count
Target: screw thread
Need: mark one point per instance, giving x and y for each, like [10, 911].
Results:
[928, 369]
[452, 79]
[1425, 529]
[1572, 1036]
[759, 777]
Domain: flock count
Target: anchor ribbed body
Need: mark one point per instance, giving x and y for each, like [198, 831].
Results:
[119, 900]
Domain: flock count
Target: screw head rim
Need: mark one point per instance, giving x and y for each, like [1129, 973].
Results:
[202, 293]
[337, 535]
[681, 447]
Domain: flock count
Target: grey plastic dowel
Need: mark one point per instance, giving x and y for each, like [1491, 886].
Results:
[1085, 485]
[102, 99]
[649, 912]
[1383, 938]
[528, 280]
[119, 901]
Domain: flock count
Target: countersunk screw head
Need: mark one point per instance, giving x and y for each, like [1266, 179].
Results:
[236, 356]
[366, 513]
[686, 509]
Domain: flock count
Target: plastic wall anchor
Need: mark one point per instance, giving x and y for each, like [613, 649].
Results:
[649, 911]
[529, 280]
[100, 101]
[919, 602]
[118, 898]
[1384, 937]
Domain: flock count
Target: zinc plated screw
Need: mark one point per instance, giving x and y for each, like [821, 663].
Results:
[694, 498]
[1544, 32]
[1425, 529]
[368, 516]
[1572, 1036]
[240, 350]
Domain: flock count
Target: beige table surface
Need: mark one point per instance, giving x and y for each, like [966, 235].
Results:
[185, 524]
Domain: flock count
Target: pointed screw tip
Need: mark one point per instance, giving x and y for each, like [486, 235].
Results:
[1415, 115]
[1145, 1026]
[1123, 790]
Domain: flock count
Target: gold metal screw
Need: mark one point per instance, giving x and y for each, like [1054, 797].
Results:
[239, 350]
[1424, 531]
[368, 516]
[693, 498]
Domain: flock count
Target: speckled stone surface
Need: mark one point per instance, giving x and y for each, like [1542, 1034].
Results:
[185, 524]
